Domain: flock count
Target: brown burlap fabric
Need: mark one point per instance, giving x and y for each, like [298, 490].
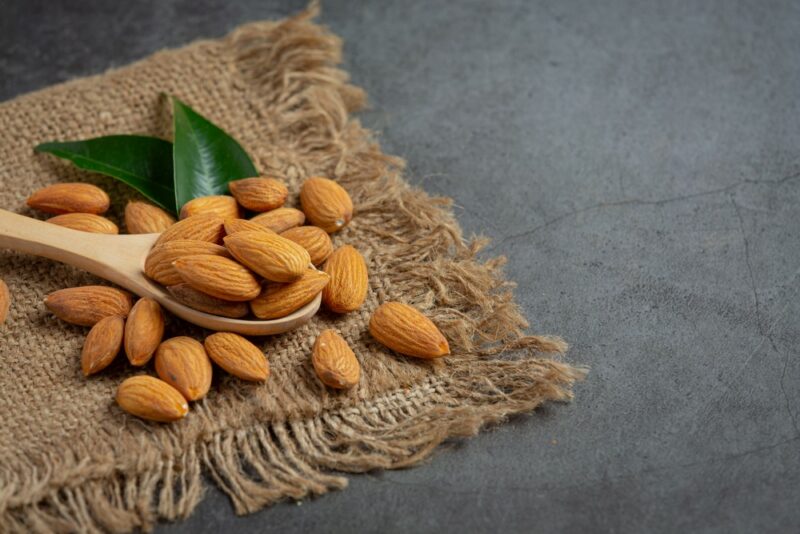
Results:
[71, 460]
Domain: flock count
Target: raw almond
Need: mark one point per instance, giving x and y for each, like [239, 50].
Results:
[182, 363]
[85, 222]
[259, 194]
[270, 255]
[279, 300]
[102, 344]
[334, 361]
[186, 294]
[218, 277]
[281, 219]
[405, 330]
[158, 264]
[205, 227]
[144, 218]
[87, 305]
[326, 204]
[5, 301]
[349, 280]
[152, 399]
[233, 226]
[238, 356]
[143, 331]
[72, 197]
[312, 238]
[222, 205]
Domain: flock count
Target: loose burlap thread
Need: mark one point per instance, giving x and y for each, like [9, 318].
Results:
[71, 460]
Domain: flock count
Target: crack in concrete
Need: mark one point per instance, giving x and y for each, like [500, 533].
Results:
[749, 267]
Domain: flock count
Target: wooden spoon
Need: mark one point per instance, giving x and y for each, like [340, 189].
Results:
[120, 259]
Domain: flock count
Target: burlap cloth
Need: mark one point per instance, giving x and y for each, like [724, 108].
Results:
[70, 459]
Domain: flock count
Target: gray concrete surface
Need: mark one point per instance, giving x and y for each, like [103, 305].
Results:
[639, 163]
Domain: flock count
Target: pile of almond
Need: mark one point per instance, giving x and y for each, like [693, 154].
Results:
[216, 261]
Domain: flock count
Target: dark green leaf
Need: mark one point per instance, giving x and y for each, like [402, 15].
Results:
[205, 157]
[144, 163]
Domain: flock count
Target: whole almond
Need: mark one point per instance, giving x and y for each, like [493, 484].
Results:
[218, 277]
[326, 204]
[74, 197]
[85, 222]
[182, 363]
[259, 194]
[404, 329]
[334, 361]
[152, 399]
[143, 331]
[144, 218]
[270, 255]
[158, 264]
[238, 356]
[222, 205]
[204, 227]
[279, 300]
[312, 238]
[233, 226]
[5, 301]
[87, 305]
[281, 219]
[186, 294]
[102, 344]
[349, 280]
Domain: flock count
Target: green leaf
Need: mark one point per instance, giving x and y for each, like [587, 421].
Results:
[144, 163]
[205, 158]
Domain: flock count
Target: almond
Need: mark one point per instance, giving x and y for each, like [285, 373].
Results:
[158, 264]
[233, 226]
[70, 198]
[205, 227]
[187, 295]
[143, 331]
[5, 301]
[152, 399]
[349, 280]
[279, 300]
[238, 356]
[326, 204]
[102, 344]
[312, 238]
[182, 363]
[144, 218]
[334, 361]
[281, 219]
[85, 222]
[405, 330]
[87, 305]
[218, 277]
[270, 255]
[222, 205]
[259, 194]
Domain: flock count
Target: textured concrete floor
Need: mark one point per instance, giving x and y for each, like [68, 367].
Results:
[639, 162]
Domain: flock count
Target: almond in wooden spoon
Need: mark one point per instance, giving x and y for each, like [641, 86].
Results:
[218, 277]
[270, 255]
[279, 300]
[221, 205]
[85, 222]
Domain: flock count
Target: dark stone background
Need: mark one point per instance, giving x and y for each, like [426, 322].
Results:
[639, 163]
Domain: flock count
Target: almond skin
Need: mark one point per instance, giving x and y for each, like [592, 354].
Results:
[158, 265]
[349, 280]
[143, 331]
[281, 219]
[238, 356]
[152, 399]
[326, 204]
[270, 255]
[334, 361]
[218, 277]
[259, 194]
[5, 301]
[182, 363]
[404, 329]
[205, 227]
[144, 218]
[187, 295]
[102, 344]
[222, 205]
[85, 222]
[87, 305]
[233, 226]
[72, 197]
[312, 238]
[279, 300]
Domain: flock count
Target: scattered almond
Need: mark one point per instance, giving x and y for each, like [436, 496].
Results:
[312, 238]
[87, 305]
[186, 294]
[144, 218]
[182, 362]
[349, 280]
[270, 255]
[281, 219]
[152, 399]
[279, 300]
[102, 344]
[233, 226]
[259, 194]
[5, 301]
[237, 356]
[85, 222]
[203, 227]
[326, 204]
[158, 265]
[222, 205]
[71, 197]
[334, 361]
[217, 276]
[143, 331]
[404, 329]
